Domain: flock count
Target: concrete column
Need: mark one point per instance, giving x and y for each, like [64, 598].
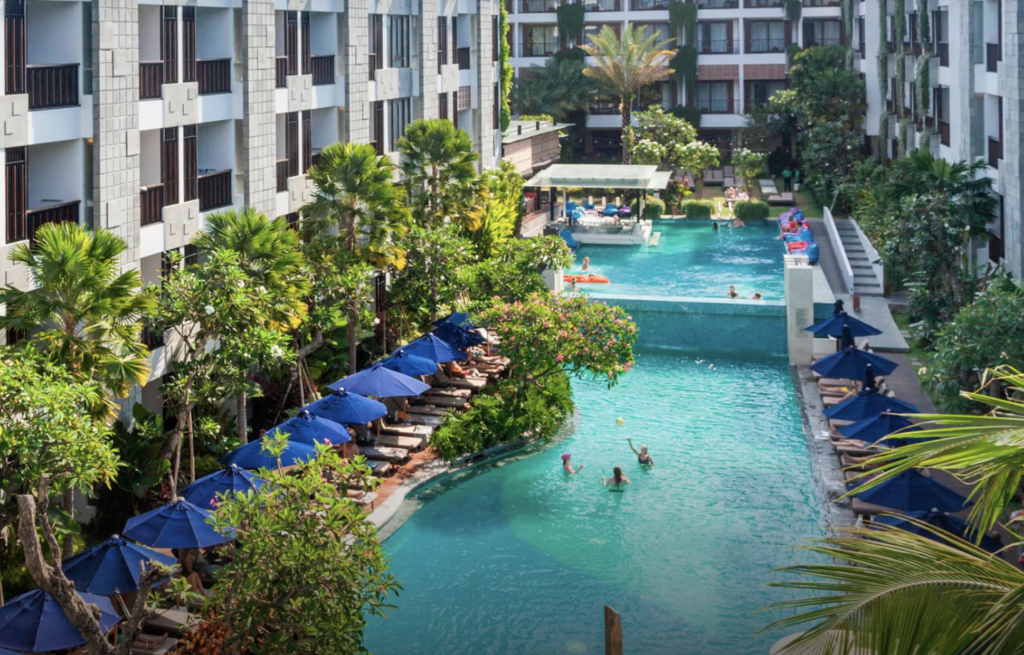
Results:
[799, 284]
[485, 83]
[357, 109]
[428, 59]
[259, 128]
[1011, 81]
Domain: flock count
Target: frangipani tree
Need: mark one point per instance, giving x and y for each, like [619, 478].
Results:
[696, 157]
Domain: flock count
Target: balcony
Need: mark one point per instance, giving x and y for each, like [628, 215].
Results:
[323, 70]
[602, 5]
[993, 54]
[151, 75]
[706, 4]
[822, 40]
[943, 52]
[151, 200]
[716, 47]
[462, 56]
[718, 106]
[995, 152]
[651, 5]
[762, 4]
[538, 49]
[822, 3]
[50, 87]
[944, 133]
[764, 46]
[26, 228]
[282, 72]
[213, 76]
[214, 190]
[151, 339]
[282, 175]
[539, 6]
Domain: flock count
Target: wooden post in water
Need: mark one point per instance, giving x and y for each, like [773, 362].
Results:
[612, 632]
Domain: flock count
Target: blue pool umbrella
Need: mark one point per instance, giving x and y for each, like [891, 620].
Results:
[852, 363]
[348, 408]
[941, 520]
[36, 623]
[833, 327]
[380, 382]
[409, 364]
[456, 336]
[877, 427]
[310, 429]
[912, 491]
[251, 455]
[178, 525]
[112, 567]
[460, 319]
[435, 349]
[866, 404]
[224, 482]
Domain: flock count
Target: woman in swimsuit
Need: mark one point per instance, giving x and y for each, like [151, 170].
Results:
[642, 455]
[567, 467]
[617, 480]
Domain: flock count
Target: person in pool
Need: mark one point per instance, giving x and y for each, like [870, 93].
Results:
[732, 291]
[714, 225]
[642, 455]
[586, 263]
[567, 467]
[617, 480]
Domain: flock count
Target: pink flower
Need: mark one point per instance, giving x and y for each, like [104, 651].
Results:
[328, 442]
[560, 357]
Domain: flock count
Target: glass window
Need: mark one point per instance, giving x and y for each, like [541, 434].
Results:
[400, 114]
[398, 41]
[539, 6]
[540, 40]
[713, 97]
[601, 5]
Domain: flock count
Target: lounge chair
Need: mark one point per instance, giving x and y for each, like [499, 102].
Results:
[378, 468]
[449, 392]
[437, 401]
[610, 210]
[570, 206]
[362, 498]
[408, 443]
[729, 171]
[405, 430]
[784, 198]
[728, 182]
[384, 453]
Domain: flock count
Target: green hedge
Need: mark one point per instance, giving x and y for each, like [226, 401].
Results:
[698, 208]
[752, 210]
[653, 208]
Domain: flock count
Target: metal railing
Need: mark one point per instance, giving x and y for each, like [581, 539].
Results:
[323, 69]
[602, 5]
[213, 75]
[713, 4]
[539, 6]
[50, 87]
[538, 49]
[282, 175]
[762, 4]
[151, 200]
[462, 55]
[716, 47]
[822, 40]
[647, 5]
[993, 53]
[995, 152]
[718, 106]
[214, 190]
[151, 76]
[281, 72]
[943, 51]
[64, 212]
[761, 46]
[822, 3]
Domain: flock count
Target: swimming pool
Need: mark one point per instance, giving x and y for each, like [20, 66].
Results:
[515, 557]
[691, 261]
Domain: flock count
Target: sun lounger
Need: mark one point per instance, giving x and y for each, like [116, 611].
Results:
[868, 509]
[362, 498]
[174, 622]
[380, 469]
[427, 410]
[471, 383]
[161, 648]
[729, 182]
[785, 198]
[405, 430]
[408, 443]
[729, 171]
[436, 401]
[384, 453]
[449, 392]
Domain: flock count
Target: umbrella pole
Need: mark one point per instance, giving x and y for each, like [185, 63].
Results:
[191, 451]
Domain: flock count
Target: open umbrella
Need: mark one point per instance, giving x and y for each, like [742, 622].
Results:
[35, 622]
[409, 364]
[877, 427]
[311, 429]
[348, 408]
[833, 327]
[866, 404]
[911, 491]
[461, 319]
[433, 348]
[251, 455]
[380, 382]
[852, 363]
[112, 567]
[178, 525]
[224, 482]
[941, 520]
[456, 336]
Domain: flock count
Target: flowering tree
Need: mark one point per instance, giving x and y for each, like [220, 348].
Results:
[545, 334]
[749, 164]
[696, 157]
[658, 136]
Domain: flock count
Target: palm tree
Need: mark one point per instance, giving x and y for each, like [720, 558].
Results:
[268, 252]
[898, 593]
[354, 193]
[627, 65]
[84, 312]
[439, 166]
[964, 184]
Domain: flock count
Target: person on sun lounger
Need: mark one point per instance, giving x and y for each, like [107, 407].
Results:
[642, 455]
[617, 481]
[567, 467]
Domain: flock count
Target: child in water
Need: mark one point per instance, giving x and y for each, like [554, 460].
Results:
[567, 467]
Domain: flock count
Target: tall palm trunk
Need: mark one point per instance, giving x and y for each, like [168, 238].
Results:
[627, 119]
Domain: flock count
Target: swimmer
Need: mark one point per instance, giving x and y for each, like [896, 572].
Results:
[586, 263]
[617, 480]
[732, 291]
[738, 222]
[567, 467]
[757, 296]
[642, 454]
[714, 225]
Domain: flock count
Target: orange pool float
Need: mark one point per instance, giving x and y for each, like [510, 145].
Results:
[586, 279]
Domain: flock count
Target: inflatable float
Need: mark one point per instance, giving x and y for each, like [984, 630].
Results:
[586, 279]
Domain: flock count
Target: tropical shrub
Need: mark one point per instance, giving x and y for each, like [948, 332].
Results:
[749, 164]
[752, 210]
[653, 208]
[514, 272]
[698, 209]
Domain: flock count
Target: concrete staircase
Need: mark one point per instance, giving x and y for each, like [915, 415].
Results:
[865, 282]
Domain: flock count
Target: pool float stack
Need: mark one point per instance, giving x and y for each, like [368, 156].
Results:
[800, 242]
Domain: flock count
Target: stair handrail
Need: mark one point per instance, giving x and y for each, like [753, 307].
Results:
[873, 256]
[837, 246]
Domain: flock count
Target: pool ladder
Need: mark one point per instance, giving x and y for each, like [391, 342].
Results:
[655, 239]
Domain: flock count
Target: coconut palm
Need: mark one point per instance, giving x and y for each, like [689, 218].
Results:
[628, 65]
[439, 166]
[268, 252]
[353, 192]
[83, 312]
[898, 593]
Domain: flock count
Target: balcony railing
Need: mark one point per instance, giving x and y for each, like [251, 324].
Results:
[50, 87]
[538, 49]
[762, 4]
[214, 190]
[282, 72]
[822, 3]
[943, 51]
[151, 75]
[649, 5]
[282, 175]
[716, 47]
[323, 69]
[718, 106]
[151, 199]
[993, 54]
[762, 46]
[462, 56]
[602, 5]
[539, 6]
[707, 4]
[65, 212]
[944, 133]
[822, 40]
[995, 152]
[213, 75]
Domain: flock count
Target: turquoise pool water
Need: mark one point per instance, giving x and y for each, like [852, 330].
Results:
[518, 558]
[693, 261]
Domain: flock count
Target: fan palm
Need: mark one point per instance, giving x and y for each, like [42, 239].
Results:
[439, 166]
[628, 65]
[353, 192]
[84, 312]
[963, 183]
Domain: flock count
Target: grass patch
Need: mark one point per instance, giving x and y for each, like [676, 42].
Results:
[917, 351]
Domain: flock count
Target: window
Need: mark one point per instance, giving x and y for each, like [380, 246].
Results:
[400, 114]
[759, 91]
[169, 44]
[442, 42]
[377, 126]
[464, 98]
[539, 6]
[821, 32]
[660, 31]
[715, 97]
[398, 41]
[643, 5]
[600, 5]
[442, 105]
[540, 40]
[862, 38]
[767, 36]
[455, 113]
[494, 39]
[714, 38]
[592, 29]
[191, 257]
[376, 44]
[497, 107]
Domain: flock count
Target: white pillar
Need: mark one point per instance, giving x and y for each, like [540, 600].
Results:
[799, 282]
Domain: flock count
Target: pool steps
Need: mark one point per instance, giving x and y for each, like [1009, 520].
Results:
[655, 239]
